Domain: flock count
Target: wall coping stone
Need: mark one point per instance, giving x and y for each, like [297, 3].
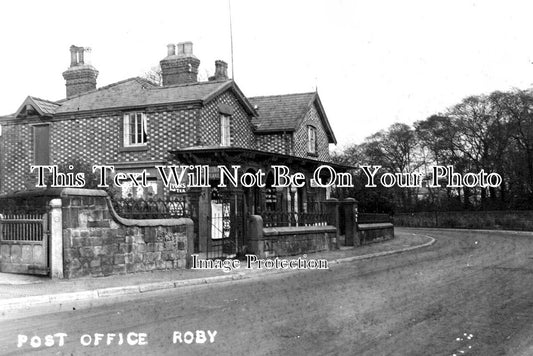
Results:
[375, 226]
[83, 192]
[297, 230]
[56, 192]
[66, 192]
[126, 222]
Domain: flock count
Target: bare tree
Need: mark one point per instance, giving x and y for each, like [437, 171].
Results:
[154, 75]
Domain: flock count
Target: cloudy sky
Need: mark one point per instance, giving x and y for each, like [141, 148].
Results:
[374, 62]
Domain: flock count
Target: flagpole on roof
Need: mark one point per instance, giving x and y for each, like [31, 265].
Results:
[231, 40]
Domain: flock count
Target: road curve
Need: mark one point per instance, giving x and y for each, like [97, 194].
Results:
[470, 293]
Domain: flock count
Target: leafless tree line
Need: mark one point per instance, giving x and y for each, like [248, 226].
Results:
[491, 132]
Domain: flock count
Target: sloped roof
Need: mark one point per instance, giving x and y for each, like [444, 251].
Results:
[285, 112]
[135, 92]
[280, 112]
[48, 107]
[43, 107]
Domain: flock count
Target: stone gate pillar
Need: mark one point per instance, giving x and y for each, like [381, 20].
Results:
[56, 239]
[350, 215]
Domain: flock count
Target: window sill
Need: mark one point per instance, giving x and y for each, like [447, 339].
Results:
[133, 149]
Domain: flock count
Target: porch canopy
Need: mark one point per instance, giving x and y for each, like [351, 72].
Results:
[249, 158]
[274, 204]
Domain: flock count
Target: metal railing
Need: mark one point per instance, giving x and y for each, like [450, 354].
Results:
[285, 219]
[22, 227]
[174, 207]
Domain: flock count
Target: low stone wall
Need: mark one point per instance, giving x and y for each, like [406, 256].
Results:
[286, 241]
[497, 220]
[23, 257]
[119, 250]
[97, 242]
[375, 232]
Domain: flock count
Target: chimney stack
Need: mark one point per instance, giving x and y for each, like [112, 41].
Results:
[79, 77]
[181, 68]
[221, 71]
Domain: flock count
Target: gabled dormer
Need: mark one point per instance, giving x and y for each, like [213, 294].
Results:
[294, 124]
[35, 107]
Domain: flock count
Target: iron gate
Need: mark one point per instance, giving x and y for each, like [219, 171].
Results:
[24, 243]
[227, 225]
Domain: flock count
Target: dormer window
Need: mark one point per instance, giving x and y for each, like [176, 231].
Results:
[311, 140]
[135, 129]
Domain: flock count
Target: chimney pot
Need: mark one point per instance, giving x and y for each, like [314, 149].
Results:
[171, 49]
[185, 49]
[81, 59]
[73, 56]
[181, 49]
[87, 55]
[188, 48]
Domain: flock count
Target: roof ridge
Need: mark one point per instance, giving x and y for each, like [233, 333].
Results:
[138, 91]
[101, 88]
[142, 80]
[193, 84]
[280, 95]
[45, 100]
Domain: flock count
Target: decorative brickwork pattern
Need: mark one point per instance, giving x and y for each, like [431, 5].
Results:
[241, 128]
[17, 150]
[95, 139]
[275, 142]
[300, 137]
[99, 139]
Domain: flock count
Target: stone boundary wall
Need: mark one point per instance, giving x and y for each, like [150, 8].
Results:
[88, 238]
[287, 241]
[375, 232]
[497, 219]
[97, 242]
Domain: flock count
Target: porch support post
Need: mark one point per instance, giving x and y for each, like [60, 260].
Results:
[56, 239]
[190, 241]
[332, 210]
[204, 222]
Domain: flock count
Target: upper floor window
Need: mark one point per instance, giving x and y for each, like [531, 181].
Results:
[41, 144]
[225, 132]
[311, 140]
[135, 129]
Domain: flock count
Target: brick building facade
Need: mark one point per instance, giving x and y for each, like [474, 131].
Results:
[136, 124]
